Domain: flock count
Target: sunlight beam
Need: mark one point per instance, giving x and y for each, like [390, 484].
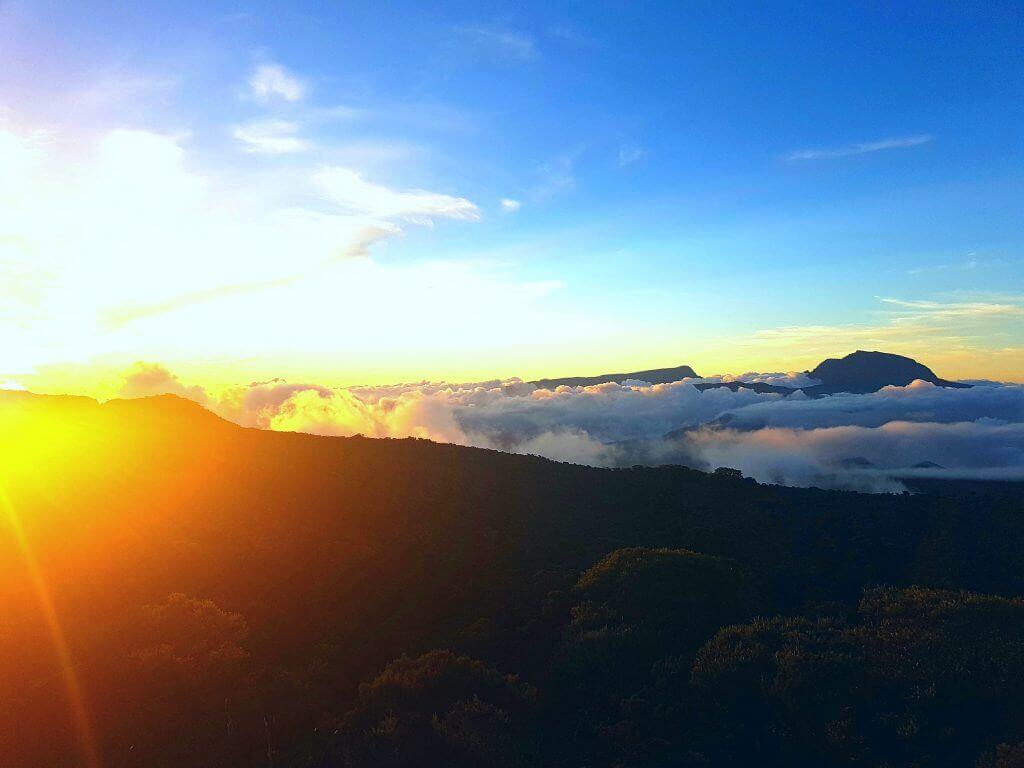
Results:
[76, 699]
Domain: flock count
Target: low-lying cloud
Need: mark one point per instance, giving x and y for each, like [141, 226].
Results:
[862, 442]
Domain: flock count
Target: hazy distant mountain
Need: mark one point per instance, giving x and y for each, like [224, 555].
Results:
[862, 372]
[856, 462]
[654, 376]
[660, 376]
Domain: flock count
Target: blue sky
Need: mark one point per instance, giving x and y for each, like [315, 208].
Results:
[729, 186]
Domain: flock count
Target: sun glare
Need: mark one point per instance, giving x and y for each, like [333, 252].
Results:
[28, 455]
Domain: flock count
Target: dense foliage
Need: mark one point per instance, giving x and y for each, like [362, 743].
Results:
[232, 597]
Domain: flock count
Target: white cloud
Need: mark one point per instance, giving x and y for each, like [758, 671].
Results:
[272, 81]
[509, 205]
[793, 379]
[864, 442]
[864, 458]
[99, 245]
[270, 137]
[145, 379]
[860, 148]
[347, 189]
[629, 154]
[919, 401]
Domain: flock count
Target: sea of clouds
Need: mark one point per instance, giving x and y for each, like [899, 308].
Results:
[864, 442]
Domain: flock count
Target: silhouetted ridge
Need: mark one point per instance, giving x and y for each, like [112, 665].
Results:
[161, 410]
[862, 372]
[653, 376]
[859, 373]
[28, 401]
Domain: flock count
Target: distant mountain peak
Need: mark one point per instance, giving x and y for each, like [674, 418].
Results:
[863, 371]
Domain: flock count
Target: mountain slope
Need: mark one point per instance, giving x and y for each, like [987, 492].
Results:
[223, 591]
[861, 372]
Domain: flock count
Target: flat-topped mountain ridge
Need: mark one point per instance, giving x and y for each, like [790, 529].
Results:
[652, 376]
[860, 372]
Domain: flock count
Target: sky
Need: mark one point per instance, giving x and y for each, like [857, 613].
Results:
[362, 193]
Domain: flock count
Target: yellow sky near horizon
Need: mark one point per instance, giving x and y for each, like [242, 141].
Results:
[128, 253]
[106, 380]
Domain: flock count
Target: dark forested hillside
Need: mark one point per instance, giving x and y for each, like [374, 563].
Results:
[233, 597]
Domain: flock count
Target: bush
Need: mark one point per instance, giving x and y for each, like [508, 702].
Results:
[924, 677]
[439, 709]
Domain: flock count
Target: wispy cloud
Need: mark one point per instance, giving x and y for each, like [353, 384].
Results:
[270, 137]
[629, 154]
[906, 321]
[272, 81]
[571, 35]
[339, 113]
[938, 309]
[349, 190]
[499, 41]
[986, 327]
[556, 176]
[859, 148]
[970, 263]
[120, 316]
[125, 88]
[185, 238]
[509, 205]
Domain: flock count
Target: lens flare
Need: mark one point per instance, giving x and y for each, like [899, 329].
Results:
[76, 699]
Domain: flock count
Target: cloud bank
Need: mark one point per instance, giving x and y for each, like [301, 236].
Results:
[864, 442]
